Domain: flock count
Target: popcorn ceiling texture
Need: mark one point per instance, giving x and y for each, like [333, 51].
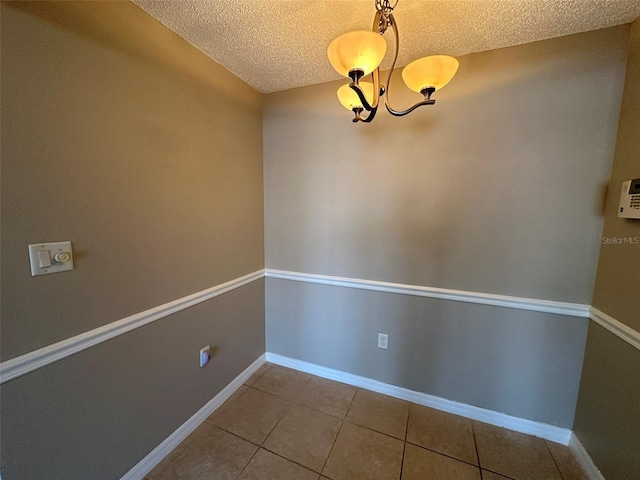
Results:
[281, 44]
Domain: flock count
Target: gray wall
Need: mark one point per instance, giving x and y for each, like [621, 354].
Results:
[617, 290]
[96, 414]
[497, 358]
[498, 188]
[608, 412]
[126, 140]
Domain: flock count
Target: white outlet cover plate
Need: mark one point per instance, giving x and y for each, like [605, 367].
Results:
[383, 341]
[205, 355]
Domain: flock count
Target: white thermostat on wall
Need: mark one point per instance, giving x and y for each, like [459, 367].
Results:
[630, 199]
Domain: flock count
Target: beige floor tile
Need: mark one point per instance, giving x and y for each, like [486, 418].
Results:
[486, 475]
[252, 416]
[258, 373]
[327, 396]
[235, 395]
[514, 454]
[283, 382]
[213, 453]
[153, 474]
[566, 462]
[362, 454]
[304, 436]
[229, 401]
[379, 412]
[420, 464]
[443, 432]
[268, 466]
[369, 446]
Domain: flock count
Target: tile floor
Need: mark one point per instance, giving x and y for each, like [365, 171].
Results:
[287, 425]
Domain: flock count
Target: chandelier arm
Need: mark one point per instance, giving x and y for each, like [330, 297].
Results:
[375, 76]
[355, 86]
[372, 115]
[387, 103]
[402, 113]
[363, 99]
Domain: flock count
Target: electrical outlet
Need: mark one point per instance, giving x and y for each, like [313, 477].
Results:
[205, 355]
[383, 340]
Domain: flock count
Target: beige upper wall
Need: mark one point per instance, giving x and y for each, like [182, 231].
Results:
[497, 188]
[121, 137]
[617, 290]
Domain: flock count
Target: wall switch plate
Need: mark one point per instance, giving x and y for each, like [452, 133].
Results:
[205, 355]
[49, 258]
[383, 340]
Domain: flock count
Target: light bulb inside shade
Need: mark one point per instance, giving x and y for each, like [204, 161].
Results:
[350, 99]
[435, 71]
[359, 50]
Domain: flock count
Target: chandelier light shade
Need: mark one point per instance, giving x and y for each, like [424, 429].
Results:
[430, 72]
[361, 50]
[360, 53]
[350, 99]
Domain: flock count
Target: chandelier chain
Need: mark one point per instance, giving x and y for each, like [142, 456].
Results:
[385, 9]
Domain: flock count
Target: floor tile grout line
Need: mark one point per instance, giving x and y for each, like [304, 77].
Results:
[267, 449]
[475, 444]
[279, 396]
[290, 460]
[264, 447]
[290, 402]
[344, 420]
[277, 423]
[496, 473]
[352, 422]
[261, 375]
[373, 430]
[237, 436]
[326, 460]
[250, 460]
[206, 420]
[554, 459]
[406, 434]
[443, 454]
[298, 402]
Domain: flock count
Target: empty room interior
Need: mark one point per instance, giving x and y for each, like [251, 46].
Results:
[193, 225]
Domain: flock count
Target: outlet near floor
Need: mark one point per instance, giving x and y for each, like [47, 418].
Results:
[383, 340]
[205, 355]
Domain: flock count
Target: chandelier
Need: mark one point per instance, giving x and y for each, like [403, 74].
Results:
[357, 54]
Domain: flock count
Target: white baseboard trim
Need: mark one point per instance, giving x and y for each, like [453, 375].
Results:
[546, 306]
[147, 464]
[583, 458]
[28, 362]
[542, 430]
[619, 329]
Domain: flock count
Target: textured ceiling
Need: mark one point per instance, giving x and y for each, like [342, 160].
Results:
[280, 44]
